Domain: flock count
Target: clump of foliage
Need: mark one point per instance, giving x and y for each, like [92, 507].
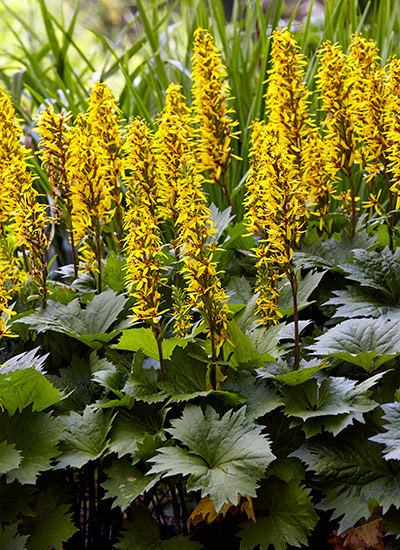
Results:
[193, 375]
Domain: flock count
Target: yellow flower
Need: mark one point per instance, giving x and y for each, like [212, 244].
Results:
[392, 124]
[55, 133]
[211, 114]
[91, 190]
[194, 238]
[365, 79]
[20, 201]
[373, 202]
[103, 116]
[275, 213]
[172, 141]
[143, 244]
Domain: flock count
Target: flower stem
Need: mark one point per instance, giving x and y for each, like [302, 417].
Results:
[294, 286]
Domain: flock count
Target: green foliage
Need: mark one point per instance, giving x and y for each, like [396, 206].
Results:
[390, 438]
[84, 437]
[126, 482]
[35, 436]
[143, 533]
[290, 517]
[89, 325]
[226, 456]
[368, 343]
[329, 404]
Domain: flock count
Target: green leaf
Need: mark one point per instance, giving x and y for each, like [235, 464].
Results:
[260, 399]
[241, 350]
[36, 436]
[133, 428]
[11, 540]
[288, 517]
[126, 482]
[84, 438]
[351, 472]
[266, 341]
[26, 360]
[354, 301]
[294, 378]
[88, 325]
[142, 385]
[376, 269]
[185, 379]
[330, 253]
[50, 525]
[329, 404]
[368, 343]
[21, 388]
[14, 500]
[220, 220]
[239, 290]
[390, 438]
[10, 457]
[143, 533]
[111, 272]
[306, 287]
[226, 456]
[143, 339]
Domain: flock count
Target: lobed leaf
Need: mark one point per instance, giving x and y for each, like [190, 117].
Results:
[226, 456]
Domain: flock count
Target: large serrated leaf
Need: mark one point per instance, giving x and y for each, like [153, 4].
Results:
[10, 539]
[376, 269]
[390, 438]
[28, 359]
[260, 399]
[14, 500]
[288, 517]
[143, 533]
[226, 456]
[351, 472]
[84, 437]
[368, 343]
[185, 379]
[36, 436]
[126, 482]
[240, 349]
[21, 388]
[50, 525]
[329, 253]
[131, 429]
[356, 301]
[329, 404]
[10, 457]
[89, 325]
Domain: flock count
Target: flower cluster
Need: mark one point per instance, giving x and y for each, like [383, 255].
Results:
[211, 114]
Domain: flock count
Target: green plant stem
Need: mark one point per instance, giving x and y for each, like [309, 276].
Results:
[159, 335]
[98, 257]
[294, 286]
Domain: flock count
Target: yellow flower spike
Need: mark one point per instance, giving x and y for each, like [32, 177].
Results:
[194, 229]
[55, 133]
[286, 100]
[173, 140]
[103, 116]
[91, 191]
[19, 203]
[275, 212]
[211, 113]
[366, 83]
[143, 245]
[392, 124]
[333, 86]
